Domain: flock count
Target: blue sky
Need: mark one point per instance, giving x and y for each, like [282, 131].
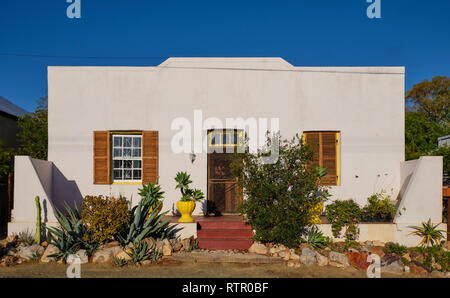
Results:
[410, 33]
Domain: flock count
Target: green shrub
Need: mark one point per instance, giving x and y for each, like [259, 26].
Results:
[278, 194]
[395, 248]
[103, 216]
[434, 253]
[344, 214]
[379, 208]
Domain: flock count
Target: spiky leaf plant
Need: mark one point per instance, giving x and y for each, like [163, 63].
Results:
[429, 233]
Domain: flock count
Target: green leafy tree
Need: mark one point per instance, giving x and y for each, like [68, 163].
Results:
[421, 134]
[279, 196]
[432, 98]
[33, 134]
[6, 163]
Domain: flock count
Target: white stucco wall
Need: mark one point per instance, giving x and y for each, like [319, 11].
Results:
[365, 103]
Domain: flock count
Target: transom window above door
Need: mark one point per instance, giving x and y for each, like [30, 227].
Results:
[127, 157]
[224, 138]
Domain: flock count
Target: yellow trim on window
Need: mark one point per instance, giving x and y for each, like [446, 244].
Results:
[124, 132]
[127, 183]
[338, 158]
[221, 133]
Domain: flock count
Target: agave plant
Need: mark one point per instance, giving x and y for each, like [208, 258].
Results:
[119, 261]
[138, 252]
[141, 225]
[71, 236]
[316, 239]
[429, 233]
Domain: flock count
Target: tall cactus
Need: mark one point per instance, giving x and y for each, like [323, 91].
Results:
[37, 237]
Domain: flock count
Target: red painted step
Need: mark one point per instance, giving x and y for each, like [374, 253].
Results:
[225, 233]
[223, 225]
[224, 243]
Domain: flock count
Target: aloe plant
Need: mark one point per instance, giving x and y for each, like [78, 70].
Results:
[316, 239]
[138, 252]
[429, 233]
[141, 225]
[71, 235]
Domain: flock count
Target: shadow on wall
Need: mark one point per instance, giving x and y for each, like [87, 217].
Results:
[64, 191]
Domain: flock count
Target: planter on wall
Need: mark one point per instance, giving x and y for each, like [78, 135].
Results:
[186, 208]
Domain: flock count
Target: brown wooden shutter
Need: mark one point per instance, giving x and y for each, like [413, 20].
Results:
[329, 157]
[150, 155]
[324, 147]
[102, 172]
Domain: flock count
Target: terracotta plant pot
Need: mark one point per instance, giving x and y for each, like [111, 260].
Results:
[186, 208]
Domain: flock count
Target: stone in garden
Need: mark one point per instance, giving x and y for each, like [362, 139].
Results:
[406, 268]
[294, 257]
[417, 268]
[159, 245]
[111, 244]
[282, 253]
[394, 267]
[167, 249]
[293, 264]
[49, 250]
[105, 255]
[28, 252]
[321, 260]
[258, 248]
[358, 260]
[335, 264]
[369, 243]
[351, 249]
[146, 262]
[416, 256]
[338, 258]
[308, 256]
[82, 254]
[436, 266]
[447, 274]
[377, 250]
[44, 244]
[151, 242]
[377, 243]
[386, 260]
[287, 256]
[10, 261]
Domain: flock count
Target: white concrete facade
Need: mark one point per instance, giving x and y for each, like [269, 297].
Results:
[365, 104]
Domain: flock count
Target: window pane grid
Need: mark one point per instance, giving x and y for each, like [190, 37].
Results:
[127, 157]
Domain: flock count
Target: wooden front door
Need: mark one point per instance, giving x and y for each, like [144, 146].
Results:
[224, 194]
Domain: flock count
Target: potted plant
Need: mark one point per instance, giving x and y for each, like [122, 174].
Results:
[186, 204]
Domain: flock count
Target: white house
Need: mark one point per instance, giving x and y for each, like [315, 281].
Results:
[112, 128]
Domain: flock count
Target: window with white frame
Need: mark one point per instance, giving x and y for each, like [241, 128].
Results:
[127, 157]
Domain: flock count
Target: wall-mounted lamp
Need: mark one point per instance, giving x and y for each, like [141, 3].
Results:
[192, 156]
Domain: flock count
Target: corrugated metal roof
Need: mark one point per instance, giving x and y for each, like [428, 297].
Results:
[8, 107]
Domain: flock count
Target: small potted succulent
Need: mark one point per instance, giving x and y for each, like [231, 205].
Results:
[186, 204]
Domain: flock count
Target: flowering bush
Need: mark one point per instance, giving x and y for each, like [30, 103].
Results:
[344, 214]
[280, 196]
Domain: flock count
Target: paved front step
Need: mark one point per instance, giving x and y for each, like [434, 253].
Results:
[223, 225]
[224, 244]
[225, 233]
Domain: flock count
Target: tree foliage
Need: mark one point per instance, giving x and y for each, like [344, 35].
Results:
[33, 134]
[427, 119]
[280, 195]
[432, 98]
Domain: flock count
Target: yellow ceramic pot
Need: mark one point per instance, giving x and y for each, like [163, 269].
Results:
[186, 209]
[151, 209]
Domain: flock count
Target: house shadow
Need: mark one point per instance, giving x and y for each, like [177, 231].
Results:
[64, 192]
